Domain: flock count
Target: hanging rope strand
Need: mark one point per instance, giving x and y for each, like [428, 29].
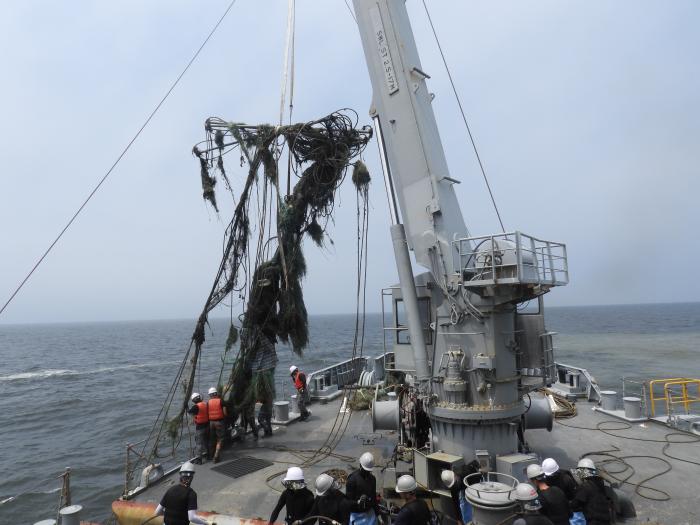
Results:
[464, 118]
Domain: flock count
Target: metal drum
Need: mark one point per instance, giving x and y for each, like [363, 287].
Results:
[633, 407]
[70, 515]
[280, 410]
[608, 399]
[492, 498]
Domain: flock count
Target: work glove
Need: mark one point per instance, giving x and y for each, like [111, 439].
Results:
[362, 502]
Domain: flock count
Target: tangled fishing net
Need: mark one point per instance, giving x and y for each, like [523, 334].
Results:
[263, 261]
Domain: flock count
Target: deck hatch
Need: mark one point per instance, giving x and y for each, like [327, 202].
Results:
[241, 466]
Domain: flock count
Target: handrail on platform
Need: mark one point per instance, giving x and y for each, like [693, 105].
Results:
[670, 394]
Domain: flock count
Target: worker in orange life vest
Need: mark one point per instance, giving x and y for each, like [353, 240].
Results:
[200, 414]
[217, 415]
[299, 379]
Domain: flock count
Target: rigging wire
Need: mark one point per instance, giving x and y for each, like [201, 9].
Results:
[352, 14]
[121, 155]
[464, 117]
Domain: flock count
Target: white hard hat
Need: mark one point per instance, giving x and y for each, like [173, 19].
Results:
[549, 466]
[406, 483]
[195, 396]
[586, 463]
[525, 492]
[534, 471]
[213, 391]
[293, 369]
[294, 474]
[367, 461]
[448, 478]
[187, 469]
[322, 484]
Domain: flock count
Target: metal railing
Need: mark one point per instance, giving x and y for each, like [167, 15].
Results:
[511, 258]
[344, 373]
[675, 391]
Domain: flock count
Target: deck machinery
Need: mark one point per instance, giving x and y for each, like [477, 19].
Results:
[460, 343]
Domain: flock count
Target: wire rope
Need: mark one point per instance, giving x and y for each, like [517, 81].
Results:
[464, 117]
[121, 155]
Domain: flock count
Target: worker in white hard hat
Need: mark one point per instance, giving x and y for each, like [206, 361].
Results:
[414, 511]
[461, 509]
[299, 379]
[555, 506]
[179, 504]
[329, 503]
[200, 415]
[217, 426]
[296, 498]
[561, 478]
[592, 497]
[529, 506]
[361, 486]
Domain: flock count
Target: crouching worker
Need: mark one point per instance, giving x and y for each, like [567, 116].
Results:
[591, 497]
[461, 508]
[296, 498]
[415, 511]
[330, 504]
[179, 504]
[529, 506]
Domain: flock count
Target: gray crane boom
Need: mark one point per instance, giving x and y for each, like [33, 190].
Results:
[471, 355]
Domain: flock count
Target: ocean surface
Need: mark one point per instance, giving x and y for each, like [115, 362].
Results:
[73, 395]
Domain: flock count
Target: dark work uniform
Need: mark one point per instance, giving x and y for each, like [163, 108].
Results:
[532, 519]
[455, 490]
[565, 481]
[359, 483]
[592, 501]
[414, 512]
[297, 502]
[334, 505]
[555, 505]
[176, 502]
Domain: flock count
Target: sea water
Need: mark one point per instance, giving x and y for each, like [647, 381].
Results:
[73, 395]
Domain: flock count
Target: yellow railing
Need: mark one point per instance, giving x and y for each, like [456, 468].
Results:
[672, 396]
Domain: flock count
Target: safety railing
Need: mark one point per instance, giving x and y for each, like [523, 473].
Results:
[674, 391]
[341, 374]
[511, 258]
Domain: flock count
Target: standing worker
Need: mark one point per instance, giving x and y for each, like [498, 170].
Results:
[415, 511]
[217, 414]
[299, 379]
[297, 499]
[179, 504]
[590, 497]
[529, 506]
[555, 505]
[555, 477]
[361, 486]
[200, 413]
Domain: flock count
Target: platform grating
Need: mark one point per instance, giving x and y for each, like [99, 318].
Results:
[241, 466]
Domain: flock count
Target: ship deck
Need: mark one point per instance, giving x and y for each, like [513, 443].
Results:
[253, 496]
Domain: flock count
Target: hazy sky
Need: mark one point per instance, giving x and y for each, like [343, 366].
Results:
[587, 116]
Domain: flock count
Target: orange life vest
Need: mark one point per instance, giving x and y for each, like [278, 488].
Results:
[202, 415]
[216, 410]
[298, 384]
